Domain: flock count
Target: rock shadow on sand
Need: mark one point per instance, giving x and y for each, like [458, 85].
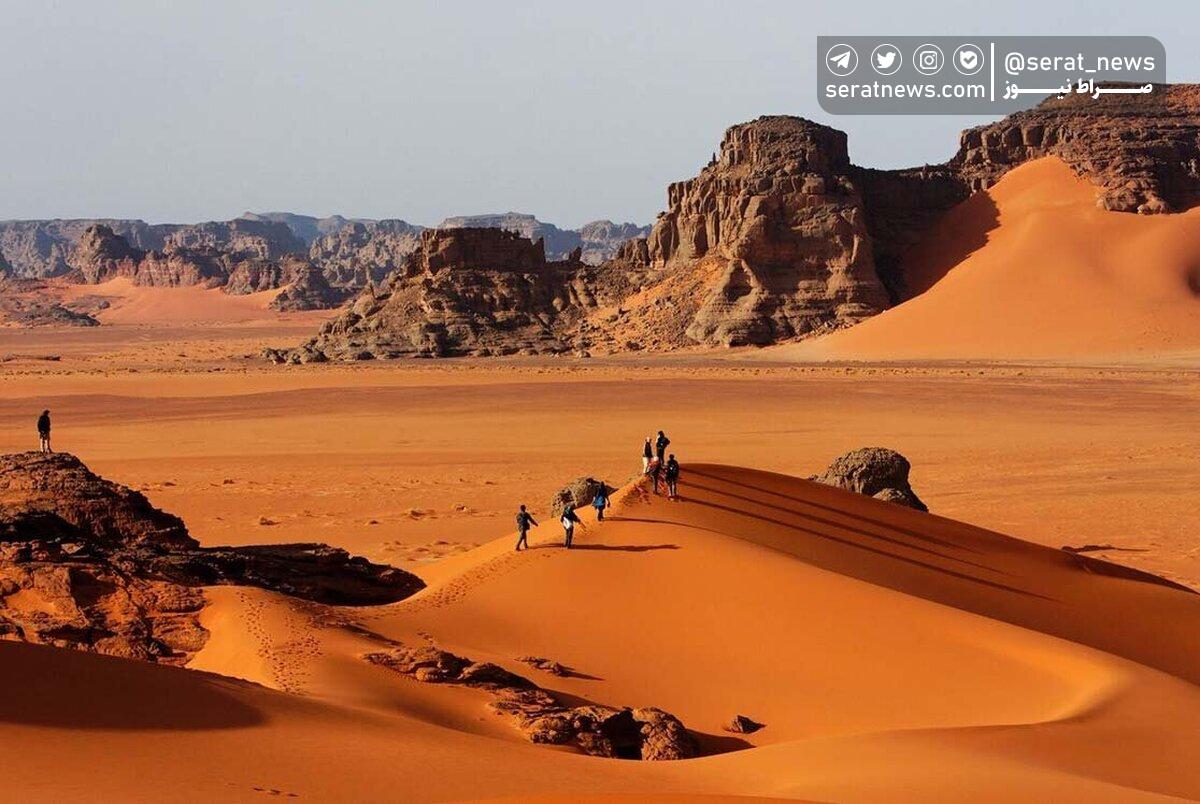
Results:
[67, 689]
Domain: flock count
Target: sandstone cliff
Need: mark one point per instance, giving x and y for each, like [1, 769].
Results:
[359, 253]
[89, 564]
[1142, 151]
[463, 291]
[597, 241]
[42, 249]
[248, 267]
[776, 222]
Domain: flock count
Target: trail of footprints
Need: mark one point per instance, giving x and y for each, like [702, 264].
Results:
[288, 658]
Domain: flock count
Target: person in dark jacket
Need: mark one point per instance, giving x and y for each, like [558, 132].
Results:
[671, 473]
[655, 472]
[43, 425]
[600, 502]
[569, 520]
[661, 444]
[525, 521]
[647, 454]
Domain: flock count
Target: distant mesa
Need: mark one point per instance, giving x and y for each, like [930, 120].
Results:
[779, 238]
[463, 291]
[597, 241]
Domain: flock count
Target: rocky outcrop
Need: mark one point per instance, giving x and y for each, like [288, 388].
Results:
[740, 724]
[90, 564]
[308, 290]
[600, 241]
[362, 252]
[306, 228]
[595, 242]
[251, 266]
[875, 471]
[579, 492]
[47, 248]
[617, 733]
[776, 222]
[1142, 151]
[32, 303]
[462, 292]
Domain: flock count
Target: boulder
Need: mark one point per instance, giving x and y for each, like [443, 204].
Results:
[875, 471]
[578, 493]
[740, 724]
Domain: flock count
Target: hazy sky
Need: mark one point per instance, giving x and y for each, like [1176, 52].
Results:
[186, 111]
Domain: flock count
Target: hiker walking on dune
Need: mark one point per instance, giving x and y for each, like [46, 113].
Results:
[43, 425]
[569, 520]
[600, 502]
[655, 472]
[672, 475]
[647, 454]
[524, 522]
[660, 445]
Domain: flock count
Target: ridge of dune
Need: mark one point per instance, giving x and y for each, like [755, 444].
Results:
[132, 304]
[1032, 268]
[892, 655]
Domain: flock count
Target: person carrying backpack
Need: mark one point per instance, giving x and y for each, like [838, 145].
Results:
[661, 444]
[524, 522]
[569, 519]
[671, 473]
[600, 502]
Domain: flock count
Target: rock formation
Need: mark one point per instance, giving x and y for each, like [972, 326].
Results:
[308, 290]
[463, 291]
[776, 221]
[90, 564]
[306, 228]
[579, 492]
[603, 731]
[32, 303]
[43, 249]
[740, 724]
[596, 241]
[601, 240]
[1142, 151]
[249, 266]
[359, 253]
[875, 471]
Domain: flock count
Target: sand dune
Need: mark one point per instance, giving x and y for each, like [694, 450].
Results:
[1033, 269]
[893, 656]
[180, 306]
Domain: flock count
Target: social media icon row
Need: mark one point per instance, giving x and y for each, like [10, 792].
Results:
[886, 59]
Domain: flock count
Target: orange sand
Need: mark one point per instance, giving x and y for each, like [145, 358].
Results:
[181, 306]
[893, 656]
[1056, 277]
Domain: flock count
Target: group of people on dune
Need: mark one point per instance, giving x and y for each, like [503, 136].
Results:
[661, 472]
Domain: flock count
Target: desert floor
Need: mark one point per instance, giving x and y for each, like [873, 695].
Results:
[894, 656]
[409, 461]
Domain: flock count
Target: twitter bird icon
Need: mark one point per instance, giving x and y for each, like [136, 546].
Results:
[886, 59]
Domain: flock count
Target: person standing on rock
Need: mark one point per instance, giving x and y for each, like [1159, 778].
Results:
[647, 454]
[43, 425]
[600, 502]
[660, 445]
[672, 475]
[569, 519]
[525, 521]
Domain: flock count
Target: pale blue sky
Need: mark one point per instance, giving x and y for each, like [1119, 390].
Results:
[182, 111]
